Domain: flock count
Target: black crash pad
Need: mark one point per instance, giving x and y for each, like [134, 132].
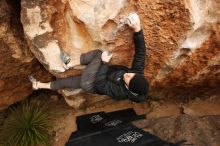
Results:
[94, 123]
[123, 135]
[101, 120]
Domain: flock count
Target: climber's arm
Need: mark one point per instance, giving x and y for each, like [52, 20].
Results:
[138, 63]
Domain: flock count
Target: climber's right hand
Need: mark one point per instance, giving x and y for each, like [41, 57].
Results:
[133, 21]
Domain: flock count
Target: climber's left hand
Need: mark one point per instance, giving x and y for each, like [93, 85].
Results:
[106, 56]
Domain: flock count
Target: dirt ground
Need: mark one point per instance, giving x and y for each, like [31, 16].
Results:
[195, 120]
[178, 119]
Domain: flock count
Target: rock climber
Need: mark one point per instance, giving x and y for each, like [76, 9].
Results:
[116, 81]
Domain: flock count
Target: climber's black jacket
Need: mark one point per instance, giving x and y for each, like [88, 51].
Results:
[109, 79]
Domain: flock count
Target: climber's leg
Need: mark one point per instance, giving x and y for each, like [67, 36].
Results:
[93, 61]
[70, 82]
[38, 85]
[86, 58]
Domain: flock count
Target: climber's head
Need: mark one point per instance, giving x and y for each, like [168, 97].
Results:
[136, 83]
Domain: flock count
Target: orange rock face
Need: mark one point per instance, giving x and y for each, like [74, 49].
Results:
[16, 61]
[190, 66]
[183, 39]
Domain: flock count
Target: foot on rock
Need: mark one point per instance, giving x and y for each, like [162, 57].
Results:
[34, 82]
[68, 62]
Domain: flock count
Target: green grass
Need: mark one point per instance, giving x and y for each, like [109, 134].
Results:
[28, 124]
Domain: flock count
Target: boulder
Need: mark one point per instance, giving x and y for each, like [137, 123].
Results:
[17, 61]
[183, 40]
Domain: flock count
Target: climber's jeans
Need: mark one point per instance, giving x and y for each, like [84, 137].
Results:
[86, 80]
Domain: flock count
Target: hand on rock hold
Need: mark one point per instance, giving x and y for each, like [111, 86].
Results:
[106, 56]
[133, 21]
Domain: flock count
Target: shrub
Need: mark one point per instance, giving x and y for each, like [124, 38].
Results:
[28, 124]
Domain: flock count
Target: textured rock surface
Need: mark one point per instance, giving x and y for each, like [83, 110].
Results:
[182, 37]
[16, 61]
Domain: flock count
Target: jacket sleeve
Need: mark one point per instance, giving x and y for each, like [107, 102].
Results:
[138, 63]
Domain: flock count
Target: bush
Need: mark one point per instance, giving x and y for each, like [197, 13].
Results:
[28, 124]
